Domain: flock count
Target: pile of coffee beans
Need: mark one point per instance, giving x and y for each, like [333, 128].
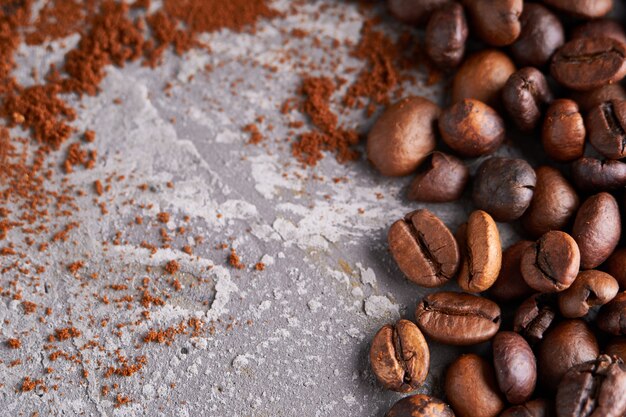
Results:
[549, 305]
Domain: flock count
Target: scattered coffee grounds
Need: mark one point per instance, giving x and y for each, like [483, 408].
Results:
[14, 343]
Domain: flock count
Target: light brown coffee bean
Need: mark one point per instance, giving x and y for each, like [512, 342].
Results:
[515, 365]
[497, 23]
[482, 76]
[563, 133]
[584, 9]
[420, 405]
[591, 288]
[441, 178]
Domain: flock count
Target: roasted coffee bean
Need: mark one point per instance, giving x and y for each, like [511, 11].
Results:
[552, 263]
[510, 284]
[587, 63]
[612, 316]
[441, 178]
[457, 318]
[471, 387]
[553, 205]
[403, 136]
[413, 11]
[582, 8]
[534, 317]
[424, 248]
[471, 128]
[542, 34]
[533, 408]
[515, 365]
[400, 357]
[525, 95]
[597, 229]
[481, 252]
[570, 343]
[595, 388]
[446, 34]
[496, 23]
[563, 132]
[617, 347]
[605, 124]
[591, 174]
[420, 405]
[616, 267]
[503, 187]
[591, 288]
[601, 28]
[482, 76]
[587, 100]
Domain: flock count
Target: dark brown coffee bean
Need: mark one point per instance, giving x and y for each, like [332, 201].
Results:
[605, 124]
[595, 388]
[563, 132]
[553, 205]
[616, 267]
[420, 405]
[570, 343]
[534, 317]
[525, 95]
[457, 318]
[503, 187]
[542, 34]
[612, 316]
[424, 248]
[482, 76]
[587, 63]
[617, 347]
[597, 229]
[446, 34]
[587, 100]
[582, 8]
[591, 174]
[533, 408]
[496, 23]
[471, 387]
[403, 136]
[481, 252]
[441, 178]
[413, 11]
[510, 284]
[591, 288]
[400, 357]
[515, 365]
[601, 28]
[552, 263]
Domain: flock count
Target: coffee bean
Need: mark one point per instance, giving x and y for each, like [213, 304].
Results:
[420, 405]
[552, 263]
[616, 267]
[601, 28]
[591, 288]
[457, 318]
[510, 284]
[542, 34]
[441, 178]
[525, 94]
[597, 229]
[481, 252]
[587, 63]
[424, 248]
[612, 316]
[617, 347]
[503, 187]
[400, 357]
[515, 365]
[594, 388]
[446, 34]
[471, 128]
[534, 317]
[605, 124]
[570, 343]
[533, 408]
[587, 100]
[403, 136]
[496, 23]
[591, 174]
[482, 76]
[553, 205]
[582, 8]
[413, 11]
[563, 133]
[471, 387]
